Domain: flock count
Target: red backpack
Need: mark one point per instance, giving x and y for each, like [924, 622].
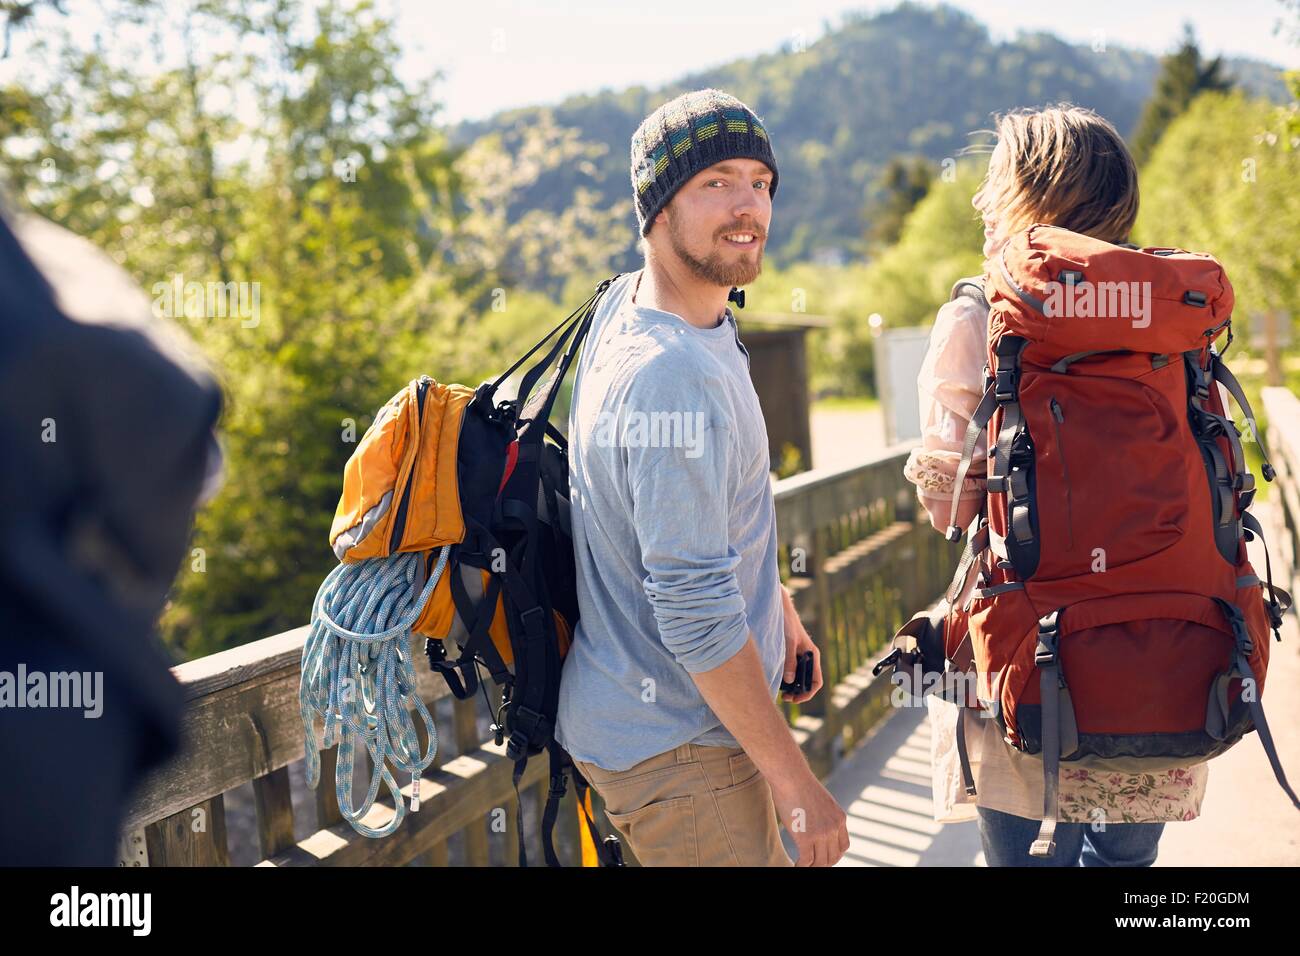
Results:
[1115, 622]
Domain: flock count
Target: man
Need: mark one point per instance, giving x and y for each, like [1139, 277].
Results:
[667, 697]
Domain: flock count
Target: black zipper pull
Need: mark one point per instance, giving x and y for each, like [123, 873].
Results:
[1056, 411]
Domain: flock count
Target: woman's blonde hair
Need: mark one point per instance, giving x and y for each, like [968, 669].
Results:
[1063, 166]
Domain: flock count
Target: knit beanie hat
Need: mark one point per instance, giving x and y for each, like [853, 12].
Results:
[689, 134]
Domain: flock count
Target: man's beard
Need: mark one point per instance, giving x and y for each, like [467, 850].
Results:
[717, 269]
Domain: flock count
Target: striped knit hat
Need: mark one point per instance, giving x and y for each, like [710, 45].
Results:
[689, 134]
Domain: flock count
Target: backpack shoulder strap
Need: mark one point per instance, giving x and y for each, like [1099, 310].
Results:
[971, 287]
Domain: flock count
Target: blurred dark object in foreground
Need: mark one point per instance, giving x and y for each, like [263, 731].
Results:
[106, 447]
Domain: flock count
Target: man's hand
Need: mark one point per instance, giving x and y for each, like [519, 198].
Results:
[739, 693]
[797, 640]
[813, 819]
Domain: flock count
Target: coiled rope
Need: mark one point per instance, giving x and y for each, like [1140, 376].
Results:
[357, 674]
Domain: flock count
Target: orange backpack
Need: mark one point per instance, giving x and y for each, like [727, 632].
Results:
[1115, 622]
[479, 486]
[401, 494]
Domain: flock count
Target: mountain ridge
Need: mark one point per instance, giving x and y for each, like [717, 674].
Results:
[910, 80]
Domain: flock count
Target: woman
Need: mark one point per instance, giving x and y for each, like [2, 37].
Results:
[1068, 167]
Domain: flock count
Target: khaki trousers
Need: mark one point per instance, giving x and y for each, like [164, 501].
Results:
[692, 806]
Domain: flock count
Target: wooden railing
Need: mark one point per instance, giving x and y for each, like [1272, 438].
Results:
[858, 561]
[1282, 440]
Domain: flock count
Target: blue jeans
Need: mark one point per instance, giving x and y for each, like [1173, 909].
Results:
[1006, 840]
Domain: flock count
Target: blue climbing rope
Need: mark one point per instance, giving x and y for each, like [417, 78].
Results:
[357, 674]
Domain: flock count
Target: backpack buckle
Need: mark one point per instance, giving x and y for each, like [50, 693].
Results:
[524, 726]
[1045, 653]
[615, 851]
[532, 625]
[558, 786]
[526, 720]
[1019, 483]
[1007, 382]
[1237, 622]
[1048, 639]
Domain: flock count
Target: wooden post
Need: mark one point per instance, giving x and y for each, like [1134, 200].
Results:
[193, 837]
[512, 832]
[437, 854]
[274, 811]
[327, 798]
[467, 741]
[422, 745]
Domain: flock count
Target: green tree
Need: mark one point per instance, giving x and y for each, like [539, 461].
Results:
[294, 162]
[903, 183]
[1183, 75]
[905, 284]
[1223, 181]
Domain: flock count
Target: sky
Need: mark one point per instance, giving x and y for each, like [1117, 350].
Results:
[496, 54]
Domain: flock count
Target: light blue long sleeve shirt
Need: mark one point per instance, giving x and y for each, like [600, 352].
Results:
[674, 532]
